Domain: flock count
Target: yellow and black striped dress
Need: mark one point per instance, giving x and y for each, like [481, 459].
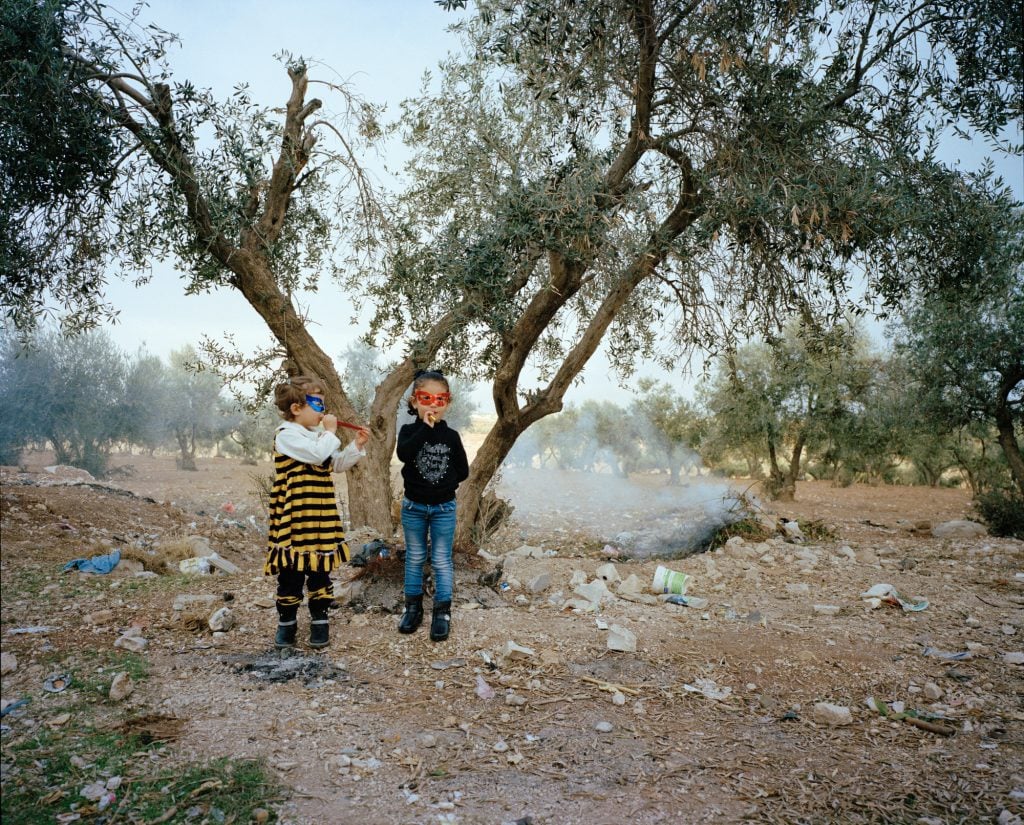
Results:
[305, 531]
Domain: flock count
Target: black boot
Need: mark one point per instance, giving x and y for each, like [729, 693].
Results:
[319, 629]
[440, 621]
[413, 615]
[285, 633]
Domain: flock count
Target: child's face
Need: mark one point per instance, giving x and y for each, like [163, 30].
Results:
[431, 398]
[306, 415]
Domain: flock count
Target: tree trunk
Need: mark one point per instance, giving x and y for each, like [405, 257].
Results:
[492, 452]
[788, 491]
[1007, 437]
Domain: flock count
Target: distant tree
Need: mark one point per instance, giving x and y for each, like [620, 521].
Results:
[253, 431]
[20, 389]
[195, 406]
[147, 407]
[671, 428]
[789, 396]
[68, 393]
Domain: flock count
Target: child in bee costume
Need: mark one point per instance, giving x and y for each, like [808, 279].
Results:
[305, 540]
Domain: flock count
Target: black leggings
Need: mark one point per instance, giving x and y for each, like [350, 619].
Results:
[289, 592]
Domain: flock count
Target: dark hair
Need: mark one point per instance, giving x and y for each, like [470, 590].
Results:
[419, 378]
[294, 391]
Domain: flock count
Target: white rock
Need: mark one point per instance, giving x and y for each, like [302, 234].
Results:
[131, 643]
[835, 715]
[932, 691]
[608, 573]
[540, 583]
[621, 639]
[513, 651]
[631, 585]
[595, 591]
[827, 609]
[222, 620]
[1014, 658]
[604, 727]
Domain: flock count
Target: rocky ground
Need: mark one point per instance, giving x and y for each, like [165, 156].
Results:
[562, 697]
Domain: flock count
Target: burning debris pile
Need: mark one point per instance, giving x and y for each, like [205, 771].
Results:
[641, 515]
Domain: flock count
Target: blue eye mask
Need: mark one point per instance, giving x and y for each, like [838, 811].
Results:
[315, 404]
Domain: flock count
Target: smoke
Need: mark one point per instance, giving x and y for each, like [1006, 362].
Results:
[642, 515]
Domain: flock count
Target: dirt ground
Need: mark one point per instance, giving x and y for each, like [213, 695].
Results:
[714, 717]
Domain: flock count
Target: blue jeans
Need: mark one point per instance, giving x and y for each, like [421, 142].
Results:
[437, 520]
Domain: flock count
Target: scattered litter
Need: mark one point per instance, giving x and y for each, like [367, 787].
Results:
[57, 682]
[447, 663]
[200, 564]
[708, 688]
[945, 654]
[924, 721]
[209, 563]
[887, 594]
[12, 706]
[686, 601]
[101, 564]
[39, 628]
[669, 581]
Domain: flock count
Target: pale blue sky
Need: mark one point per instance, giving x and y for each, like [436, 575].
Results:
[382, 48]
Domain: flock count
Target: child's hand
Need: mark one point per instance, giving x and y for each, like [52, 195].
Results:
[362, 437]
[330, 423]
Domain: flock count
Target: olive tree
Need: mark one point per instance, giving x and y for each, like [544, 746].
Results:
[966, 341]
[652, 176]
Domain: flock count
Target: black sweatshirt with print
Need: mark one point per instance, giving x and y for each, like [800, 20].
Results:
[433, 462]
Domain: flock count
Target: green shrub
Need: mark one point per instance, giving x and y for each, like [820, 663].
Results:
[1002, 511]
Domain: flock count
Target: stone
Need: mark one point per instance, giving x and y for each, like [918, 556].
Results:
[834, 715]
[121, 687]
[827, 609]
[604, 727]
[959, 529]
[222, 620]
[595, 591]
[131, 643]
[184, 601]
[632, 585]
[1013, 658]
[8, 663]
[512, 652]
[621, 639]
[608, 573]
[540, 583]
[932, 691]
[223, 564]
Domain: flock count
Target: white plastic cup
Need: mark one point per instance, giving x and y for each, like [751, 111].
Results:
[670, 581]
